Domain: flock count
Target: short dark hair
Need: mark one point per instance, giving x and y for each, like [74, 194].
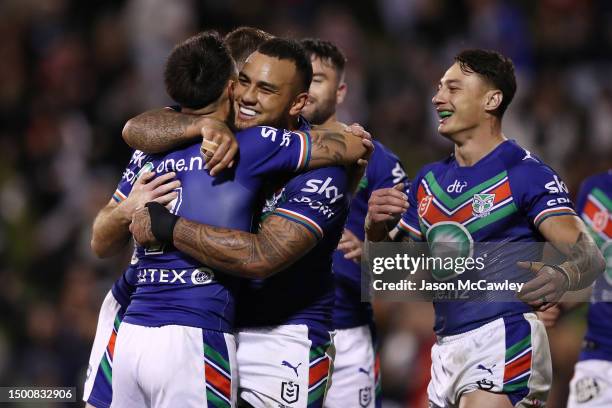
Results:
[495, 68]
[286, 49]
[197, 70]
[243, 41]
[325, 50]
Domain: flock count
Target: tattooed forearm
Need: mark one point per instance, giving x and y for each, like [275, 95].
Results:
[329, 148]
[584, 263]
[277, 245]
[160, 130]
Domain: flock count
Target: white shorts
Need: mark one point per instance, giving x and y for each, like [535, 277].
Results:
[173, 366]
[591, 386]
[97, 388]
[355, 380]
[508, 355]
[283, 366]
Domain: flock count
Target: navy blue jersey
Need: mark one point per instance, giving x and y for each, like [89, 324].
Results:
[173, 288]
[501, 199]
[303, 293]
[594, 204]
[384, 171]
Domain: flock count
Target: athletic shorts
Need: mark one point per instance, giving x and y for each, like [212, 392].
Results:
[285, 366]
[356, 377]
[173, 366]
[97, 388]
[591, 386]
[509, 355]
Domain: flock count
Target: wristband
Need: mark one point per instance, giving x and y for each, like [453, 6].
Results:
[162, 222]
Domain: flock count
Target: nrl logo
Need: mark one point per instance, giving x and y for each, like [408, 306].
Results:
[482, 204]
[424, 205]
[290, 392]
[600, 220]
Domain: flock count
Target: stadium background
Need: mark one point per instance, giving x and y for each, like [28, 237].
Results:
[73, 72]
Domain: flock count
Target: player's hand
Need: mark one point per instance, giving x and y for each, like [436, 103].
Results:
[141, 228]
[549, 316]
[366, 138]
[219, 145]
[149, 188]
[351, 246]
[385, 207]
[543, 291]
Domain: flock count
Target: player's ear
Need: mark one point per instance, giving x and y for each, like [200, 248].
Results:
[298, 103]
[341, 92]
[493, 99]
[230, 89]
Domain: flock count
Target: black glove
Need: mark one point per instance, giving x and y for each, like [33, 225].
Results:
[162, 222]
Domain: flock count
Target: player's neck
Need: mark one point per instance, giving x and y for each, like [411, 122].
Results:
[208, 111]
[477, 143]
[329, 121]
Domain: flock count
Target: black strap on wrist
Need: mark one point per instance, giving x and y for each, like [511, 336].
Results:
[162, 222]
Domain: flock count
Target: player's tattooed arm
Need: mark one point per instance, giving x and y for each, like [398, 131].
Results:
[584, 262]
[160, 130]
[340, 146]
[278, 244]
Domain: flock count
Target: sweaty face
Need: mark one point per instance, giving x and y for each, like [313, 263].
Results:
[322, 95]
[265, 91]
[460, 101]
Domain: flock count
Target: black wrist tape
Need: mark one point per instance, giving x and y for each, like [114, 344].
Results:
[162, 222]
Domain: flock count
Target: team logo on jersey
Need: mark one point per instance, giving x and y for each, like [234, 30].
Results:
[365, 396]
[586, 389]
[600, 220]
[290, 392]
[272, 201]
[202, 276]
[482, 204]
[424, 205]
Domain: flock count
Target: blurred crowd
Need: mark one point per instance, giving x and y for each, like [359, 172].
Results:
[73, 72]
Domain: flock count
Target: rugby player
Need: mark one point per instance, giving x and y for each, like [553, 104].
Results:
[490, 190]
[591, 385]
[283, 351]
[321, 151]
[356, 376]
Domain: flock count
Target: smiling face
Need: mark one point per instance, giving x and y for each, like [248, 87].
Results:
[326, 91]
[464, 101]
[267, 93]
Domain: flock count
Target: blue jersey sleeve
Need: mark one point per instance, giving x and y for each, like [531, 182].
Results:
[409, 223]
[318, 200]
[264, 150]
[384, 169]
[139, 163]
[540, 191]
